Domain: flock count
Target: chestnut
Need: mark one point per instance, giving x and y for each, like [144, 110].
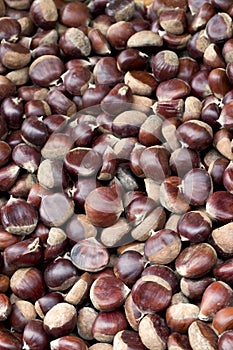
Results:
[173, 20]
[122, 11]
[153, 331]
[180, 316]
[178, 340]
[222, 320]
[154, 162]
[46, 302]
[216, 296]
[44, 70]
[128, 339]
[8, 339]
[57, 146]
[80, 289]
[225, 340]
[60, 320]
[25, 253]
[162, 247]
[68, 341]
[183, 160]
[12, 110]
[172, 89]
[118, 34]
[76, 80]
[218, 206]
[194, 288]
[155, 220]
[117, 100]
[195, 134]
[40, 15]
[18, 217]
[140, 82]
[197, 186]
[34, 335]
[220, 238]
[5, 153]
[75, 14]
[221, 22]
[83, 162]
[10, 29]
[106, 72]
[5, 307]
[49, 213]
[196, 260]
[28, 276]
[108, 293]
[22, 312]
[145, 40]
[34, 131]
[89, 255]
[79, 227]
[223, 271]
[151, 285]
[194, 226]
[108, 324]
[165, 64]
[171, 196]
[26, 157]
[131, 59]
[103, 206]
[116, 234]
[200, 332]
[60, 274]
[128, 267]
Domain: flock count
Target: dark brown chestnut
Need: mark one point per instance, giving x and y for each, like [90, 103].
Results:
[107, 324]
[75, 14]
[34, 335]
[25, 253]
[46, 302]
[194, 226]
[154, 162]
[83, 162]
[219, 206]
[60, 274]
[28, 276]
[108, 293]
[68, 341]
[151, 285]
[18, 217]
[195, 134]
[44, 14]
[26, 157]
[46, 69]
[74, 43]
[165, 64]
[103, 206]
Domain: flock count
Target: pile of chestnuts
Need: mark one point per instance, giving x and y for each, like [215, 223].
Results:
[116, 175]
